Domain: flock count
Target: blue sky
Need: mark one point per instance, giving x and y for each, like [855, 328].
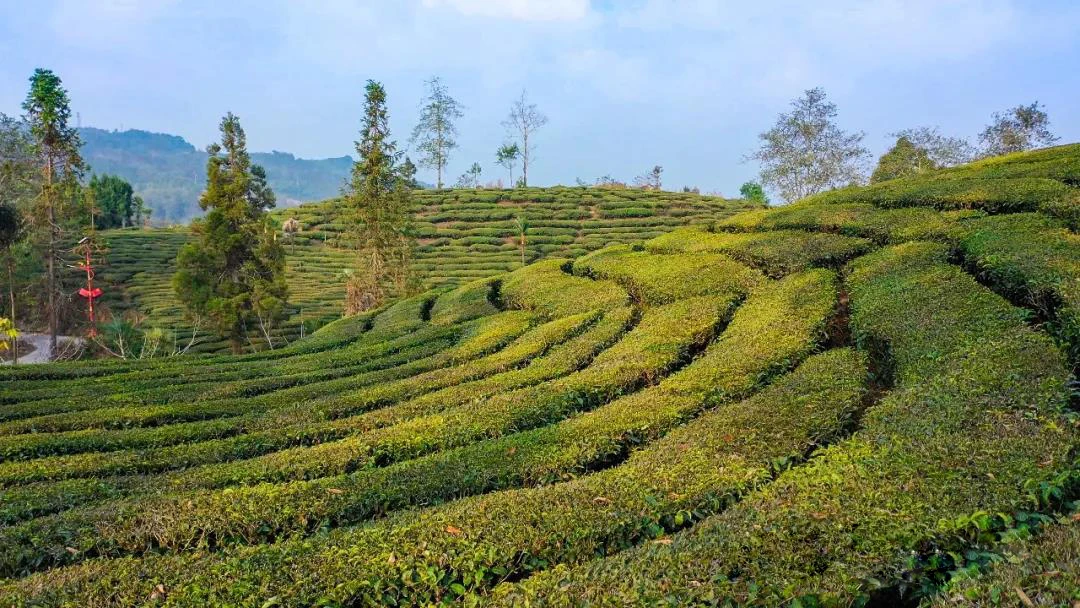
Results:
[626, 84]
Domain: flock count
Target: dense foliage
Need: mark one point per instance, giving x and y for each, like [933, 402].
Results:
[233, 275]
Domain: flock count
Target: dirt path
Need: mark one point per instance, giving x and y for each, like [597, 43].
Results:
[41, 353]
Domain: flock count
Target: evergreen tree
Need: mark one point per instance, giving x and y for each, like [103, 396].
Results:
[408, 173]
[17, 188]
[435, 135]
[11, 232]
[904, 159]
[234, 274]
[115, 201]
[56, 145]
[752, 191]
[379, 201]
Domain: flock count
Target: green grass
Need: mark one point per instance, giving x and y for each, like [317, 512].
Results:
[863, 398]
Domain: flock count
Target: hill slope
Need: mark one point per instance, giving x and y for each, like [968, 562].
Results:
[463, 235]
[839, 402]
[169, 173]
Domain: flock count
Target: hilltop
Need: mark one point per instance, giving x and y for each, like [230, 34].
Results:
[865, 397]
[462, 235]
[170, 173]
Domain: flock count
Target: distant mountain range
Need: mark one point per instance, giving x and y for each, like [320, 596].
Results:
[170, 173]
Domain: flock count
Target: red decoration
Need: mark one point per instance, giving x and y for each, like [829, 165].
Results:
[91, 293]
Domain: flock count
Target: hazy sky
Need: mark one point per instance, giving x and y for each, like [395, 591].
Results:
[626, 84]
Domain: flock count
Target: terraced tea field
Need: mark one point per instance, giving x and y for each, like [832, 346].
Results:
[463, 235]
[863, 398]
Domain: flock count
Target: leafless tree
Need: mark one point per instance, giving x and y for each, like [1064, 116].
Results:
[523, 121]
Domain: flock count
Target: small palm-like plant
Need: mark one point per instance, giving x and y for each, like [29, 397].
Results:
[522, 225]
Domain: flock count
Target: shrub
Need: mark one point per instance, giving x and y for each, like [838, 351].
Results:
[972, 428]
[659, 279]
[776, 253]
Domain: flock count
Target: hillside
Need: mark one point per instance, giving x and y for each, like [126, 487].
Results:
[863, 398]
[169, 173]
[462, 234]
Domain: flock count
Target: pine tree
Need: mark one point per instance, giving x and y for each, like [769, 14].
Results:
[56, 144]
[379, 201]
[234, 274]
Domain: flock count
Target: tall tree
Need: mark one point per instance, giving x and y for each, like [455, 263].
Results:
[943, 150]
[141, 212]
[234, 274]
[523, 121]
[11, 232]
[56, 144]
[380, 202]
[471, 178]
[408, 173]
[650, 180]
[1016, 130]
[115, 200]
[806, 152]
[904, 159]
[435, 135]
[17, 187]
[507, 156]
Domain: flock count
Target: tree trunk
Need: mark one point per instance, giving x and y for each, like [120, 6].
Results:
[11, 297]
[51, 252]
[525, 158]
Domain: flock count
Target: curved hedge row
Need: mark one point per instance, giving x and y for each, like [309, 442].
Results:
[779, 325]
[697, 469]
[661, 279]
[972, 429]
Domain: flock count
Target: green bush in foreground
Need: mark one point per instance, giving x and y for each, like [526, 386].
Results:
[774, 329]
[661, 279]
[776, 253]
[467, 545]
[546, 288]
[1040, 571]
[972, 429]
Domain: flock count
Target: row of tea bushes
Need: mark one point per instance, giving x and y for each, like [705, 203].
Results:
[973, 428]
[779, 326]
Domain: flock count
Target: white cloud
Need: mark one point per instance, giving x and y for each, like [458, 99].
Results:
[105, 23]
[518, 10]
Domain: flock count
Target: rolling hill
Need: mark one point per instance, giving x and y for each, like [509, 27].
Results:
[170, 173]
[865, 398]
[462, 235]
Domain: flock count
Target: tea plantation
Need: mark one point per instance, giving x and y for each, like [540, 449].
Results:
[462, 234]
[865, 398]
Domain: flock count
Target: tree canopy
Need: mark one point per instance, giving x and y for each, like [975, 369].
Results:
[435, 135]
[904, 159]
[234, 274]
[807, 152]
[1016, 130]
[117, 205]
[379, 202]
